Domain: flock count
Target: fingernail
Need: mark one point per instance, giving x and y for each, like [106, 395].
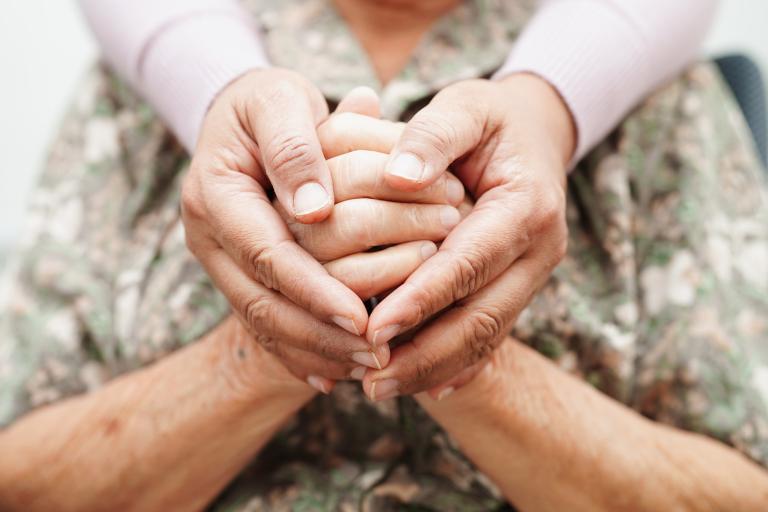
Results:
[428, 250]
[317, 383]
[449, 216]
[407, 166]
[445, 393]
[368, 359]
[383, 389]
[358, 373]
[309, 198]
[346, 323]
[385, 334]
[454, 192]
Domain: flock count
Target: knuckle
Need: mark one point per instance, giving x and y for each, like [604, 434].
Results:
[482, 330]
[285, 87]
[290, 154]
[424, 304]
[472, 96]
[434, 131]
[259, 314]
[356, 221]
[268, 343]
[326, 343]
[417, 218]
[192, 204]
[470, 273]
[262, 262]
[484, 327]
[324, 346]
[424, 366]
[550, 213]
[550, 210]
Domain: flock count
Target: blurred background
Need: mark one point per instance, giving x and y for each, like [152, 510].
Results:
[45, 48]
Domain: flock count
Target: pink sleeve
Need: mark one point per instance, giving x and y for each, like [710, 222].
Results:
[178, 53]
[604, 56]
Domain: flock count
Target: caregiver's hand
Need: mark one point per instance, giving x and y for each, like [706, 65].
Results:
[509, 142]
[261, 130]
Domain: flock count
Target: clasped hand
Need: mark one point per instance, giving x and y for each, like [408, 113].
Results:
[296, 271]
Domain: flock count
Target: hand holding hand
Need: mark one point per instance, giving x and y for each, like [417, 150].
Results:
[509, 143]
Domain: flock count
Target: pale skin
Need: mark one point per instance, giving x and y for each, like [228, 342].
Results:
[173, 435]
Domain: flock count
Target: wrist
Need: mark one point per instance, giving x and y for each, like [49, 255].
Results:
[249, 374]
[548, 108]
[490, 398]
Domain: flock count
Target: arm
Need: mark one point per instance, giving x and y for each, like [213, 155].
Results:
[167, 437]
[210, 407]
[603, 56]
[182, 55]
[551, 442]
[178, 53]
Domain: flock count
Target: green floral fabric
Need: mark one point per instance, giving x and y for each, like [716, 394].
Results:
[660, 303]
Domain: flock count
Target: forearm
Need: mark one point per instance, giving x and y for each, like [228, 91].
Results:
[551, 442]
[167, 437]
[604, 56]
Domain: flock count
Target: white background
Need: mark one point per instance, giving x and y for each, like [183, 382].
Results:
[45, 48]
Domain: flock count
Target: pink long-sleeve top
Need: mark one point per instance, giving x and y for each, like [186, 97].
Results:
[602, 56]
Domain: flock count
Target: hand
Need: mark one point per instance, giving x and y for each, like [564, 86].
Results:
[369, 213]
[509, 143]
[261, 130]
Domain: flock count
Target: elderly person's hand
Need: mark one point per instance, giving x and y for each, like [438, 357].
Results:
[509, 142]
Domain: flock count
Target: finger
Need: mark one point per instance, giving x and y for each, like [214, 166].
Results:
[319, 373]
[371, 273]
[360, 173]
[348, 131]
[272, 318]
[498, 224]
[315, 370]
[451, 125]
[459, 338]
[446, 389]
[247, 226]
[360, 100]
[291, 152]
[360, 224]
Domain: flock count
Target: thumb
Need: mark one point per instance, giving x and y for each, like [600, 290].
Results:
[285, 131]
[443, 131]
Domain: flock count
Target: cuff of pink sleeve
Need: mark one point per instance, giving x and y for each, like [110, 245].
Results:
[191, 61]
[590, 54]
